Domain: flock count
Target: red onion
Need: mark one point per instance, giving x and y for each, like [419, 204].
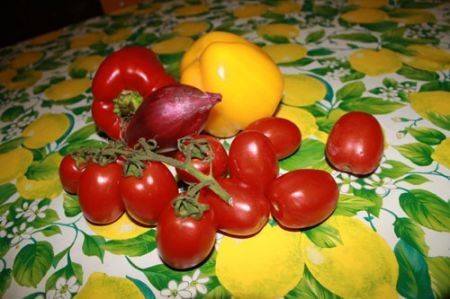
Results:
[170, 113]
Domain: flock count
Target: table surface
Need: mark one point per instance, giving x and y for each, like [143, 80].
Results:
[389, 234]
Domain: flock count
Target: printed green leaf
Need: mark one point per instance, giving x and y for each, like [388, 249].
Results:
[57, 258]
[5, 281]
[440, 120]
[276, 39]
[320, 52]
[350, 205]
[71, 269]
[11, 144]
[50, 217]
[413, 280]
[324, 236]
[92, 246]
[32, 263]
[435, 85]
[82, 133]
[418, 153]
[416, 74]
[370, 105]
[75, 146]
[12, 113]
[132, 247]
[356, 37]
[45, 169]
[145, 290]
[5, 244]
[315, 36]
[426, 135]
[325, 125]
[6, 191]
[51, 230]
[145, 39]
[354, 75]
[439, 269]
[351, 90]
[310, 288]
[380, 26]
[326, 11]
[389, 82]
[427, 209]
[218, 292]
[415, 179]
[78, 73]
[411, 233]
[160, 275]
[311, 152]
[40, 88]
[376, 199]
[300, 62]
[397, 169]
[71, 205]
[48, 64]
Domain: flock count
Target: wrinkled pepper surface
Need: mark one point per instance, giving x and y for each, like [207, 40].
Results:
[249, 81]
[123, 80]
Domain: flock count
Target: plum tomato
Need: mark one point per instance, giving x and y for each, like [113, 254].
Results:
[355, 144]
[146, 197]
[252, 159]
[98, 193]
[219, 163]
[70, 173]
[284, 134]
[246, 216]
[303, 198]
[184, 242]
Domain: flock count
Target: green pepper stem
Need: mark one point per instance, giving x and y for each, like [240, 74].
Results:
[126, 104]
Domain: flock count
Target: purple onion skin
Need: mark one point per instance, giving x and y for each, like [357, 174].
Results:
[170, 113]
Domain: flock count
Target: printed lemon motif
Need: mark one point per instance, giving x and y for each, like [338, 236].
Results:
[285, 7]
[430, 102]
[412, 16]
[12, 81]
[283, 53]
[191, 28]
[302, 118]
[47, 183]
[6, 75]
[67, 89]
[284, 30]
[250, 10]
[369, 3]
[302, 90]
[44, 38]
[46, 129]
[427, 58]
[191, 10]
[89, 63]
[25, 59]
[14, 163]
[441, 153]
[123, 228]
[365, 16]
[148, 9]
[118, 36]
[267, 265]
[174, 45]
[86, 40]
[374, 63]
[100, 285]
[363, 266]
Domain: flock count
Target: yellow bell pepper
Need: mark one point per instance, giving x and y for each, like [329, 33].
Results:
[249, 81]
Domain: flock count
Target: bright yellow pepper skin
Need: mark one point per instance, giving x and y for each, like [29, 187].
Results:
[249, 81]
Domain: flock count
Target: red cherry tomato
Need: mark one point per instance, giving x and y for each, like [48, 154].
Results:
[98, 193]
[219, 163]
[146, 197]
[252, 159]
[184, 242]
[70, 173]
[246, 216]
[355, 144]
[303, 198]
[284, 134]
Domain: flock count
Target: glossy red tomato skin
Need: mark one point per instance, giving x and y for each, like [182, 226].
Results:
[219, 163]
[303, 198]
[70, 174]
[98, 193]
[146, 197]
[284, 134]
[252, 159]
[355, 144]
[248, 213]
[184, 242]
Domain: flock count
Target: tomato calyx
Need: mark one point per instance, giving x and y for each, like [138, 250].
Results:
[188, 205]
[126, 103]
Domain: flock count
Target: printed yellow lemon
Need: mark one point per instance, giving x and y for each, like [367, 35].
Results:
[374, 63]
[123, 228]
[44, 38]
[430, 102]
[369, 3]
[363, 266]
[365, 16]
[26, 59]
[283, 53]
[67, 89]
[191, 10]
[285, 7]
[100, 285]
[86, 40]
[284, 30]
[302, 90]
[14, 163]
[412, 16]
[302, 118]
[192, 28]
[46, 129]
[441, 153]
[174, 45]
[250, 10]
[118, 36]
[89, 63]
[427, 58]
[12, 81]
[267, 265]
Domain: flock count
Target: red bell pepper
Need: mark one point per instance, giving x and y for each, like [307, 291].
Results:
[123, 80]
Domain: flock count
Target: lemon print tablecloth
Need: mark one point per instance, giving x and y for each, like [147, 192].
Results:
[389, 236]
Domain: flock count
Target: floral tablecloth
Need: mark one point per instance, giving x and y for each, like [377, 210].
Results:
[389, 234]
